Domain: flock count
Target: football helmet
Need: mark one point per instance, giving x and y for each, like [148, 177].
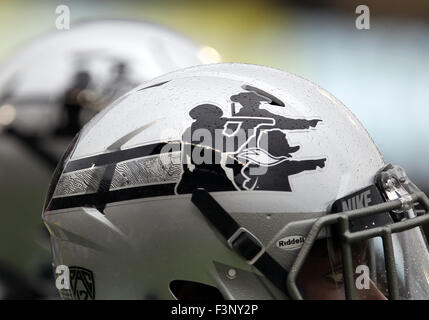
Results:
[48, 90]
[51, 87]
[234, 181]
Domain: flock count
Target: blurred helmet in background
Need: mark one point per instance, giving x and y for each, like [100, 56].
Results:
[233, 181]
[48, 90]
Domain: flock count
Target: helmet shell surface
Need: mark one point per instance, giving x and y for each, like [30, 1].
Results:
[126, 184]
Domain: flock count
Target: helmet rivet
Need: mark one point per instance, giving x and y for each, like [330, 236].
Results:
[232, 273]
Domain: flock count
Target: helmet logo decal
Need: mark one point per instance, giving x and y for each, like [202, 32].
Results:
[248, 150]
[244, 151]
[82, 285]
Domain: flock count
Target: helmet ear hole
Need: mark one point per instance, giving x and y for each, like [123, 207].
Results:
[191, 291]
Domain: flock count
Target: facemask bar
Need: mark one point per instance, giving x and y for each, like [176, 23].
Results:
[401, 195]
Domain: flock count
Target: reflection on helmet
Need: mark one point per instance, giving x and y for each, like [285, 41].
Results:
[276, 191]
[57, 83]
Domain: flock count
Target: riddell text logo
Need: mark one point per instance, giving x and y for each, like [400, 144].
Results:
[292, 242]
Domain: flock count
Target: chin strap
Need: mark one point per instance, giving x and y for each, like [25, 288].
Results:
[240, 239]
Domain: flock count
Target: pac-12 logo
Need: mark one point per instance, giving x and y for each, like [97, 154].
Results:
[75, 283]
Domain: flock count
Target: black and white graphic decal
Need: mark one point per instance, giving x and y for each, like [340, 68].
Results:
[247, 151]
[82, 285]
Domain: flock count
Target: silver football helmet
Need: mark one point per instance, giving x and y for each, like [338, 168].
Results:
[234, 181]
[48, 90]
